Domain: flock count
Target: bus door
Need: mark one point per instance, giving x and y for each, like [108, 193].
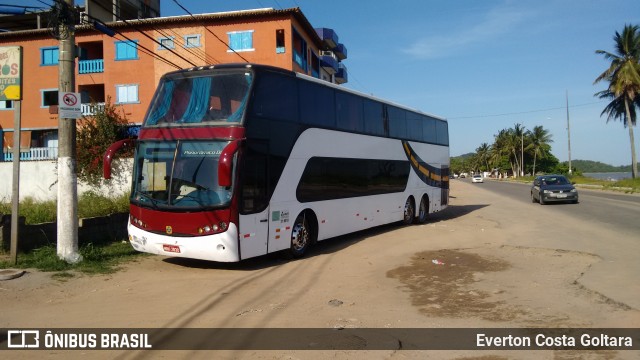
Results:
[254, 200]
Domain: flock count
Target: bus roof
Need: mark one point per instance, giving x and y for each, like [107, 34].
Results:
[301, 76]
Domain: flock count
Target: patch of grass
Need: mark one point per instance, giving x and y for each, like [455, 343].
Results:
[630, 185]
[634, 184]
[90, 204]
[104, 259]
[38, 212]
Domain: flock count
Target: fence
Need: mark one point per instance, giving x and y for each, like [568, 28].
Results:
[41, 153]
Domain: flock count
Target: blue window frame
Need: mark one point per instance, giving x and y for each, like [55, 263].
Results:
[49, 56]
[192, 41]
[126, 50]
[241, 40]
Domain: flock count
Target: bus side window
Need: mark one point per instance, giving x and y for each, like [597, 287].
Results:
[275, 97]
[373, 118]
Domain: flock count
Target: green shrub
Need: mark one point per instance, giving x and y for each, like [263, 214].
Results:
[90, 204]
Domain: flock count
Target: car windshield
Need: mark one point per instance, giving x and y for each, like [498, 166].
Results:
[192, 98]
[179, 174]
[555, 180]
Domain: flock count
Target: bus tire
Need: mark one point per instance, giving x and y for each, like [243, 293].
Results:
[409, 211]
[302, 236]
[423, 210]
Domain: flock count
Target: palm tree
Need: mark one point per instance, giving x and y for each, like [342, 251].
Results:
[483, 153]
[540, 140]
[624, 83]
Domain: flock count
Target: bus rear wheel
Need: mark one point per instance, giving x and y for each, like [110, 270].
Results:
[423, 210]
[409, 211]
[301, 237]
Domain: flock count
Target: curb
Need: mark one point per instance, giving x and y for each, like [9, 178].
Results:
[9, 274]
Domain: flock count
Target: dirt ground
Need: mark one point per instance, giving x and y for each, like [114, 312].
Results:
[479, 264]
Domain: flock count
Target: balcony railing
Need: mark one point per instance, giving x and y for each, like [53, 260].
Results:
[90, 66]
[91, 109]
[43, 153]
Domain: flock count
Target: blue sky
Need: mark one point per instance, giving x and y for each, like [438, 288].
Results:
[467, 60]
[483, 65]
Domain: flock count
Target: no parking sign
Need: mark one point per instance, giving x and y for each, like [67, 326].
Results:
[69, 105]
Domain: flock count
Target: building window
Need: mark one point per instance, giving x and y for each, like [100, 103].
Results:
[191, 41]
[49, 56]
[166, 43]
[6, 105]
[241, 40]
[126, 50]
[299, 51]
[49, 97]
[127, 94]
[280, 41]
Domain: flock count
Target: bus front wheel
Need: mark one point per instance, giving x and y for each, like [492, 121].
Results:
[301, 236]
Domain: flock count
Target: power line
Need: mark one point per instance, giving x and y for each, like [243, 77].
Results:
[146, 35]
[143, 48]
[211, 32]
[200, 54]
[521, 112]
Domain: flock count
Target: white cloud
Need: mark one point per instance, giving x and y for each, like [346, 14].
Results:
[493, 24]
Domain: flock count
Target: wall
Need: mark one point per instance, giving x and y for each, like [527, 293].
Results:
[38, 180]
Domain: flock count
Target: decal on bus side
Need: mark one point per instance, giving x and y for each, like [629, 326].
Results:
[429, 174]
[281, 216]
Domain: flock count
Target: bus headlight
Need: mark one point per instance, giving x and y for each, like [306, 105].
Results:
[138, 222]
[214, 228]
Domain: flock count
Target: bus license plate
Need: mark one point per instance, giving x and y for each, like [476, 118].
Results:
[171, 248]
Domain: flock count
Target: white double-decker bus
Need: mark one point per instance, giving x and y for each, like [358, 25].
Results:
[236, 161]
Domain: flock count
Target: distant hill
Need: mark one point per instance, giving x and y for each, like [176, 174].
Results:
[463, 156]
[597, 166]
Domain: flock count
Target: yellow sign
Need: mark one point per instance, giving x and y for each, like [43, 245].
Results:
[10, 73]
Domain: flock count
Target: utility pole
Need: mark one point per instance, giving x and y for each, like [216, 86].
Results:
[568, 131]
[67, 179]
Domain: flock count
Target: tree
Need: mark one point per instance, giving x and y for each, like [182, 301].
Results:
[483, 153]
[539, 143]
[623, 76]
[95, 134]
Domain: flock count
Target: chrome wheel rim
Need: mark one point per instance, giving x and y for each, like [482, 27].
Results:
[299, 236]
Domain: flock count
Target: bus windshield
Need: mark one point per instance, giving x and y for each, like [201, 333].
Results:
[179, 175]
[191, 98]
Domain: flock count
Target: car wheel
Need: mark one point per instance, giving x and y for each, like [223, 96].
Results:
[542, 202]
[533, 198]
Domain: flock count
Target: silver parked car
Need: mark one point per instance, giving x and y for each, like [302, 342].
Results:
[552, 188]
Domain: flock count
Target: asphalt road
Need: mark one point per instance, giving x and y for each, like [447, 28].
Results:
[609, 209]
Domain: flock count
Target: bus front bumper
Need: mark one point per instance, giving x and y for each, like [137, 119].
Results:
[221, 247]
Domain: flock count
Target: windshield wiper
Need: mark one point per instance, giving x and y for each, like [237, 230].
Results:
[153, 201]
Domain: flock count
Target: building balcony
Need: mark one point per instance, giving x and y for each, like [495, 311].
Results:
[34, 154]
[328, 62]
[341, 52]
[341, 75]
[328, 37]
[91, 109]
[91, 66]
